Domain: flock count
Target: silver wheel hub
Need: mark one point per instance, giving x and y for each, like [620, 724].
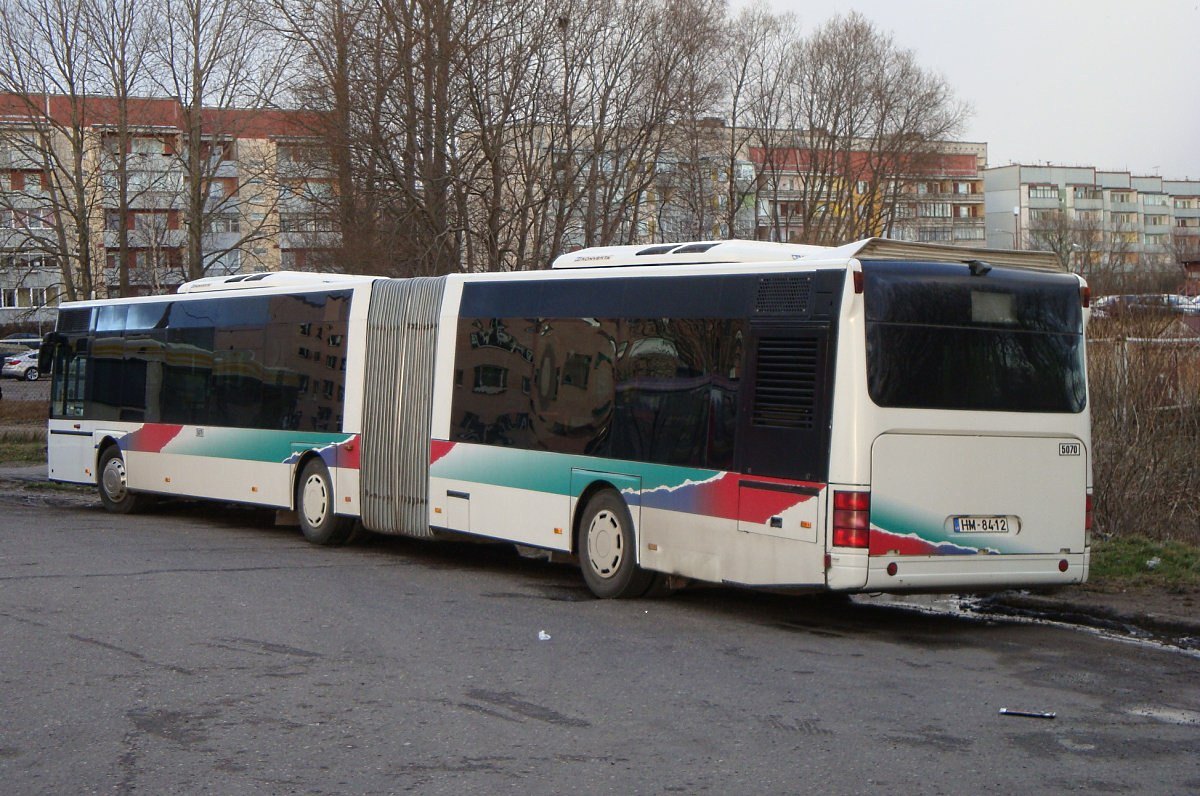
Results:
[314, 500]
[605, 545]
[114, 481]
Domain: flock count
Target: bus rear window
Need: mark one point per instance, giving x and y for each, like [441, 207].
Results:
[939, 338]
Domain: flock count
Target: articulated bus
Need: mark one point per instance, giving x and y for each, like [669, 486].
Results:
[879, 416]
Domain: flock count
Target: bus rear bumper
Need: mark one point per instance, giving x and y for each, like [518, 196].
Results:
[974, 573]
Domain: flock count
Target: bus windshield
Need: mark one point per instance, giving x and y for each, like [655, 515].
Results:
[940, 338]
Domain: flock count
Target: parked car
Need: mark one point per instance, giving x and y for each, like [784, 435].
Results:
[21, 366]
[1144, 304]
[19, 343]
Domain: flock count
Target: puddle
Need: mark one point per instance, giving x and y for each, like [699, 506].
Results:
[990, 608]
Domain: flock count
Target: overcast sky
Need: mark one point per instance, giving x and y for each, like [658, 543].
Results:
[1108, 83]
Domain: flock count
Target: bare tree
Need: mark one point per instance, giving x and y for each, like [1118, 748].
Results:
[871, 117]
[217, 56]
[335, 78]
[1056, 231]
[45, 73]
[120, 34]
[758, 45]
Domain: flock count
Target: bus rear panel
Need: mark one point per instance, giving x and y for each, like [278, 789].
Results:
[971, 444]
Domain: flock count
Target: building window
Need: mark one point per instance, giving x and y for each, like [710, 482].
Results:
[1043, 192]
[223, 222]
[36, 218]
[490, 379]
[934, 234]
[148, 146]
[27, 297]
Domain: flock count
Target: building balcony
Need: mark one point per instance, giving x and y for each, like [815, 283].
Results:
[309, 240]
[1088, 204]
[956, 198]
[147, 239]
[1048, 203]
[26, 239]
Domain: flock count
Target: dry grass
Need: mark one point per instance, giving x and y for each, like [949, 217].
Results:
[22, 413]
[1145, 404]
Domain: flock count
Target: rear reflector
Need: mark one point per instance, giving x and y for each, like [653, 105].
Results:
[852, 519]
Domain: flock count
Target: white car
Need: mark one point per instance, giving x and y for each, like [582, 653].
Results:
[21, 366]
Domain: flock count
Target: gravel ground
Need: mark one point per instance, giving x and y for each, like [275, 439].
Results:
[16, 390]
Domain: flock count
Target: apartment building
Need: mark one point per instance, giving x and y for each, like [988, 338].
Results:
[263, 185]
[1110, 218]
[937, 198]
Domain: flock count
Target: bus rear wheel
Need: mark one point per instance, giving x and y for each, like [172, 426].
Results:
[608, 549]
[113, 483]
[315, 507]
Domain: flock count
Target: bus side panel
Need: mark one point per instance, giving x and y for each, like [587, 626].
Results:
[242, 465]
[70, 453]
[688, 518]
[236, 480]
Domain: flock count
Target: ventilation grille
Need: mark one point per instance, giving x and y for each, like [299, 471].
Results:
[783, 295]
[74, 320]
[785, 383]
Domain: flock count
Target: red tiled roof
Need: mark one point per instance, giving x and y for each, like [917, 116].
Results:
[162, 112]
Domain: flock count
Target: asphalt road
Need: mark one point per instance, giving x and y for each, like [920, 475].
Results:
[206, 651]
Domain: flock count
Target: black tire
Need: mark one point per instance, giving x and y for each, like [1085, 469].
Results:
[608, 549]
[113, 484]
[32, 374]
[315, 507]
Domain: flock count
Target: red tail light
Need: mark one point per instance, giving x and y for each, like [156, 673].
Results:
[852, 519]
[1087, 514]
[1085, 296]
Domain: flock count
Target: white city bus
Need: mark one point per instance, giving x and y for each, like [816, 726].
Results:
[874, 417]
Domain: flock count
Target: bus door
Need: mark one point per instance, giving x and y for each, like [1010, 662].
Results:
[70, 451]
[783, 438]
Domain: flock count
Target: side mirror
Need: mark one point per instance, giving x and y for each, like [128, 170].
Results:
[50, 344]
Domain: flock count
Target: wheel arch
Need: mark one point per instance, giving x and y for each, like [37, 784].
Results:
[106, 442]
[585, 497]
[298, 470]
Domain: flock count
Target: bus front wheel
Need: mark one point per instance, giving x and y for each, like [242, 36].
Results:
[315, 507]
[113, 483]
[608, 549]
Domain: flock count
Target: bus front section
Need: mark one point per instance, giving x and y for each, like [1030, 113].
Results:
[968, 468]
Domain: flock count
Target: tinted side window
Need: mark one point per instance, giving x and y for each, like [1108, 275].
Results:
[275, 362]
[658, 390]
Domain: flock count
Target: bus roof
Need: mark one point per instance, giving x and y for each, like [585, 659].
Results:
[748, 251]
[707, 251]
[269, 279]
